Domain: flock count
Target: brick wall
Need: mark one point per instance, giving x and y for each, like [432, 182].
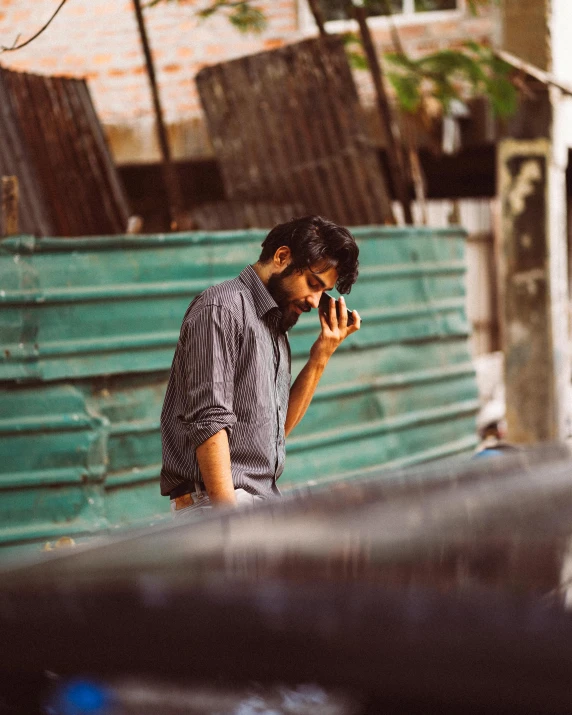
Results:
[98, 39]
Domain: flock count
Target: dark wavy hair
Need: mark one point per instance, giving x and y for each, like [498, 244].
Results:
[312, 240]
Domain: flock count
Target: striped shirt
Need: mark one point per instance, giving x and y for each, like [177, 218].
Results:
[231, 370]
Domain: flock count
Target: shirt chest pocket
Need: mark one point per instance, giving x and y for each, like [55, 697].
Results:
[256, 386]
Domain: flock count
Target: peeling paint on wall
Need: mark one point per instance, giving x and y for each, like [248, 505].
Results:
[536, 399]
[529, 280]
[523, 185]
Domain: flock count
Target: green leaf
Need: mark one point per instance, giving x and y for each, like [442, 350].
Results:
[350, 38]
[242, 14]
[454, 74]
[450, 63]
[400, 60]
[357, 60]
[204, 14]
[247, 18]
[503, 95]
[407, 90]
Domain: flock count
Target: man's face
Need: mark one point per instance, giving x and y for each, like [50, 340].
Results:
[296, 293]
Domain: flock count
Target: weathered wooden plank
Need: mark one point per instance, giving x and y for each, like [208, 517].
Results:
[32, 107]
[64, 156]
[322, 119]
[78, 156]
[287, 127]
[103, 155]
[53, 141]
[15, 158]
[309, 82]
[363, 159]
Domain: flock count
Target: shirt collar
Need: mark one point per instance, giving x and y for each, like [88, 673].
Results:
[263, 301]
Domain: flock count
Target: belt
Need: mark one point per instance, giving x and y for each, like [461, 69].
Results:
[185, 488]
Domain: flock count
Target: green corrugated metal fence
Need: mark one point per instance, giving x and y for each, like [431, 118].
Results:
[87, 333]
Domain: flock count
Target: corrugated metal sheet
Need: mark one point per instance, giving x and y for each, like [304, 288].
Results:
[51, 139]
[477, 217]
[287, 127]
[88, 329]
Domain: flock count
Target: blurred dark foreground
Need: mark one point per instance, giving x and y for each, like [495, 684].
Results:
[437, 590]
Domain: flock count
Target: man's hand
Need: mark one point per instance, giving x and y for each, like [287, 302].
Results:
[334, 331]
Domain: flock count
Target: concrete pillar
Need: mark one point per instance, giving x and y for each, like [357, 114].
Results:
[533, 262]
[534, 287]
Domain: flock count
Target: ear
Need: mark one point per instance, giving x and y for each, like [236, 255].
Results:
[282, 258]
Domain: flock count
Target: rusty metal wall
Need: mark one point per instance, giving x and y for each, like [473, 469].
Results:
[16, 159]
[51, 139]
[286, 126]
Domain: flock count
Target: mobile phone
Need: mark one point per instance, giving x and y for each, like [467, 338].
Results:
[324, 307]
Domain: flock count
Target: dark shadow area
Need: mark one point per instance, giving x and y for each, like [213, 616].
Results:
[468, 174]
[443, 587]
[200, 182]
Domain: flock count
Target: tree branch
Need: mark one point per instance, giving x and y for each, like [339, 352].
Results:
[395, 154]
[15, 46]
[318, 16]
[393, 29]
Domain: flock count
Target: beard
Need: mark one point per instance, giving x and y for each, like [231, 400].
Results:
[283, 297]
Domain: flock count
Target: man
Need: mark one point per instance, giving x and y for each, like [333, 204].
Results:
[229, 404]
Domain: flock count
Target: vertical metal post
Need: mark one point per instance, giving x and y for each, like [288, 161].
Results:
[10, 198]
[318, 16]
[395, 153]
[172, 187]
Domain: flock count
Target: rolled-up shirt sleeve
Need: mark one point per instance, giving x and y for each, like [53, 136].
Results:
[209, 347]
